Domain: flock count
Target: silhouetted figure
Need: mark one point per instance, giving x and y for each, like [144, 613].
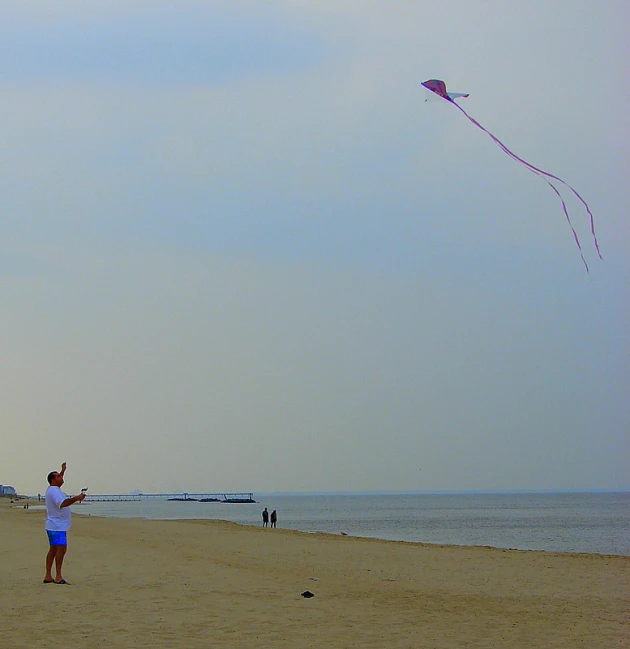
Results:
[274, 518]
[265, 516]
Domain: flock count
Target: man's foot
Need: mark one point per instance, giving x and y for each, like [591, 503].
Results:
[49, 581]
[63, 581]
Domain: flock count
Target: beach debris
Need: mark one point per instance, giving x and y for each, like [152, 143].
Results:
[314, 578]
[438, 87]
[343, 534]
[307, 594]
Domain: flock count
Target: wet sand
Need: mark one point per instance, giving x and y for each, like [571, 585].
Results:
[191, 584]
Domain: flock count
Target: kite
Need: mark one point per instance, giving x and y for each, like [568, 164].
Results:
[439, 88]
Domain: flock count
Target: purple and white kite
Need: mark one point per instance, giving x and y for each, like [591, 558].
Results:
[439, 88]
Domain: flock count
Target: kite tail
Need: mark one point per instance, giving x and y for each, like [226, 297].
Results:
[566, 213]
[545, 175]
[542, 175]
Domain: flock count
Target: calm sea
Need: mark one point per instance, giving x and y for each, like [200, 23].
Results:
[569, 522]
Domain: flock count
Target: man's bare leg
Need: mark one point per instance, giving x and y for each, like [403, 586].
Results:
[50, 559]
[61, 553]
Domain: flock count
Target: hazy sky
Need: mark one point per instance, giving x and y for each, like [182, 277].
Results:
[240, 252]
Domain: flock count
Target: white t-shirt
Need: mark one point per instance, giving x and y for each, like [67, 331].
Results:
[59, 518]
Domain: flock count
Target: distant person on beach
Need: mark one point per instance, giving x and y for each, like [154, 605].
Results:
[265, 516]
[274, 518]
[57, 524]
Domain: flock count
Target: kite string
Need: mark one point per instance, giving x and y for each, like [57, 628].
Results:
[545, 175]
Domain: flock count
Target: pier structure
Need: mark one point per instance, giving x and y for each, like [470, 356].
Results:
[243, 497]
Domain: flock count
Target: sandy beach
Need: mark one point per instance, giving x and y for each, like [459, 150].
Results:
[175, 584]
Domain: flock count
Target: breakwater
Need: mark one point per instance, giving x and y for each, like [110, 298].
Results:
[241, 497]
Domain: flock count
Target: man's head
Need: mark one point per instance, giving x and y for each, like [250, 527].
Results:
[55, 479]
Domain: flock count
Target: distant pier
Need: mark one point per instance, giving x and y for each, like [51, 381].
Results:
[244, 497]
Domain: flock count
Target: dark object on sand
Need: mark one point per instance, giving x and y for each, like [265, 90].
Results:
[307, 594]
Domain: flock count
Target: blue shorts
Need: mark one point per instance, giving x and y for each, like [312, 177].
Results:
[57, 538]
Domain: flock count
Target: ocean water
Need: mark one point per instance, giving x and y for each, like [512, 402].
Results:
[561, 522]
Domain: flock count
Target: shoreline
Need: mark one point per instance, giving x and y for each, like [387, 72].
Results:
[353, 536]
[77, 510]
[199, 583]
